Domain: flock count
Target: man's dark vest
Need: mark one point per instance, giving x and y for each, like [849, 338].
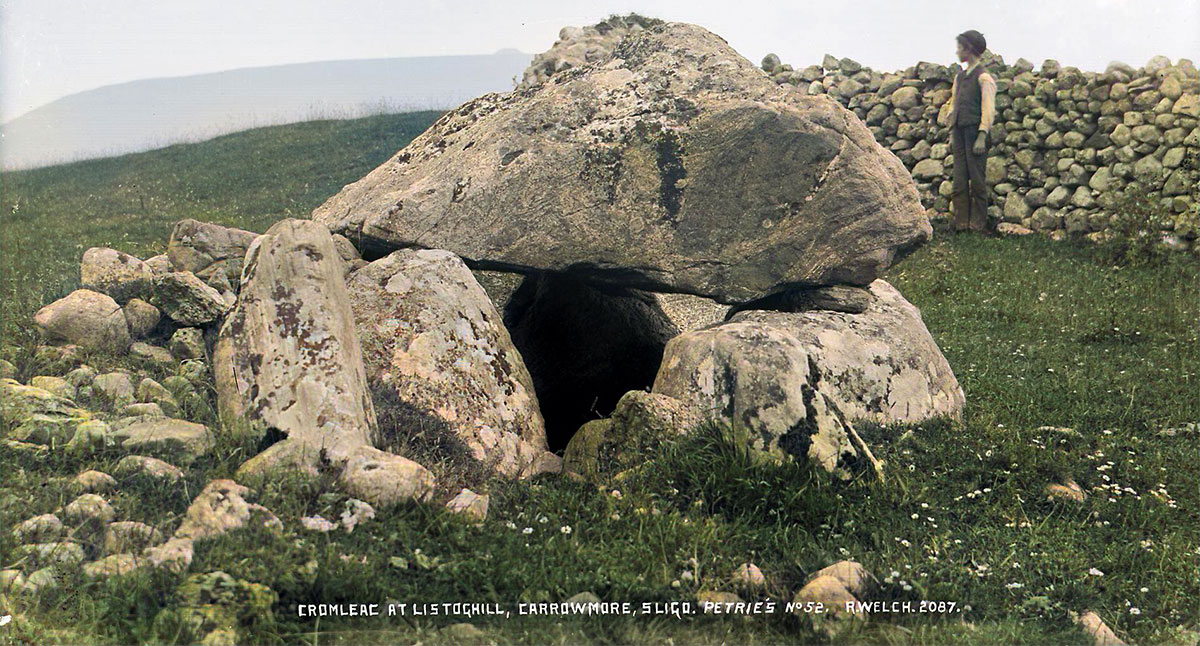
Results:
[968, 98]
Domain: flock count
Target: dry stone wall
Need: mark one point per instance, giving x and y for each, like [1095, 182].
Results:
[1065, 143]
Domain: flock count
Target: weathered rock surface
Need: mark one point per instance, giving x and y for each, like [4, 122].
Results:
[429, 332]
[288, 354]
[178, 439]
[880, 365]
[384, 479]
[585, 346]
[132, 465]
[116, 273]
[187, 300]
[222, 507]
[212, 252]
[763, 380]
[141, 316]
[88, 319]
[37, 415]
[640, 422]
[674, 165]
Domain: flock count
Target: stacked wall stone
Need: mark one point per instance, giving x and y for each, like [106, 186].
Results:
[1065, 143]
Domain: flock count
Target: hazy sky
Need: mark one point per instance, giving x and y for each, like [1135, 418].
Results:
[50, 48]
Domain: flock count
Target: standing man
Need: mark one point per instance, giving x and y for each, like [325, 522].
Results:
[973, 107]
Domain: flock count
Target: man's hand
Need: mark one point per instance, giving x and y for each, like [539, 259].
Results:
[980, 143]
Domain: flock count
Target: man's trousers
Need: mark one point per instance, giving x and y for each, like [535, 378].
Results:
[970, 180]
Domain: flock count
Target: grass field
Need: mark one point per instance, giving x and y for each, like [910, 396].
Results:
[1039, 334]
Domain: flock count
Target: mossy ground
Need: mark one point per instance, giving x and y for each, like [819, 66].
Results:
[1038, 333]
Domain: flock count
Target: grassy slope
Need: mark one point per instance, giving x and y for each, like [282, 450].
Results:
[1038, 333]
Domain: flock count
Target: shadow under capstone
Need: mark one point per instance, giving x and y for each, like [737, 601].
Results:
[585, 345]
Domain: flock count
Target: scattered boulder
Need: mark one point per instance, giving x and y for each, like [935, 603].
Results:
[385, 480]
[830, 593]
[135, 465]
[429, 332]
[175, 555]
[1097, 630]
[1070, 491]
[54, 385]
[288, 355]
[39, 529]
[186, 299]
[88, 319]
[675, 165]
[129, 536]
[114, 388]
[209, 250]
[153, 353]
[116, 273]
[92, 481]
[853, 576]
[165, 437]
[220, 508]
[113, 565]
[90, 435]
[640, 422]
[747, 575]
[90, 511]
[187, 343]
[38, 416]
[142, 317]
[470, 505]
[880, 365]
[63, 555]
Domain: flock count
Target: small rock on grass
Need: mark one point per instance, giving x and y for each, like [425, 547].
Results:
[111, 566]
[1100, 633]
[713, 601]
[174, 555]
[129, 536]
[384, 479]
[1070, 491]
[132, 465]
[92, 481]
[221, 507]
[89, 509]
[470, 505]
[749, 576]
[38, 529]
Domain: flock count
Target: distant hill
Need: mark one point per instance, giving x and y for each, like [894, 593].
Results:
[151, 113]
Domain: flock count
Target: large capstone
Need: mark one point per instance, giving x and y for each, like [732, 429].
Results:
[288, 355]
[879, 365]
[672, 164]
[430, 334]
[585, 346]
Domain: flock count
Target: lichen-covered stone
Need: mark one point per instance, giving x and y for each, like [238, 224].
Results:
[763, 381]
[672, 164]
[221, 507]
[384, 479]
[880, 365]
[429, 332]
[288, 355]
[116, 273]
[88, 319]
[187, 300]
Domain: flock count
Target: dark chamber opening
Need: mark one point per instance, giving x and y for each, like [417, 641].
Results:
[585, 345]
